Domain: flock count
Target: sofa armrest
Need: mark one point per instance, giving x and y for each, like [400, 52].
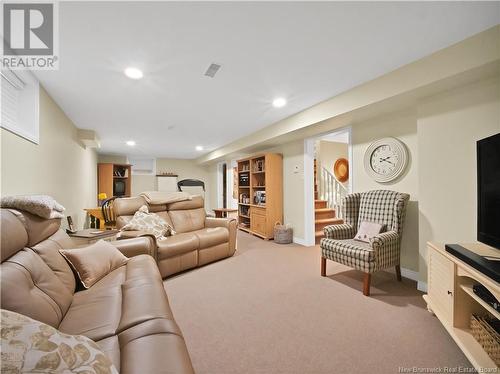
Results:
[339, 231]
[136, 246]
[387, 249]
[229, 223]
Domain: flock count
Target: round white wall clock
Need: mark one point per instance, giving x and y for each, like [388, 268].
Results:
[386, 159]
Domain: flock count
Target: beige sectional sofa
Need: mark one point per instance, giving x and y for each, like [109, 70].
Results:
[126, 312]
[199, 240]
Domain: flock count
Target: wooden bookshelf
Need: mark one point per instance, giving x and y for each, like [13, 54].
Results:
[259, 176]
[111, 178]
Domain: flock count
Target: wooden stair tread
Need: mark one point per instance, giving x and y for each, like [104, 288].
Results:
[324, 210]
[329, 220]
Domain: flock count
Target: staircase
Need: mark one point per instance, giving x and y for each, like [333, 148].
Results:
[323, 215]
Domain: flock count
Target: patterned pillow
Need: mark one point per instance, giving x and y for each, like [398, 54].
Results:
[29, 346]
[368, 230]
[149, 222]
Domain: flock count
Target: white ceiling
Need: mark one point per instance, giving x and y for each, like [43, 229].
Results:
[305, 52]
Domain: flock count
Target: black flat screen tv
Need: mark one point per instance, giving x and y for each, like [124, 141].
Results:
[488, 191]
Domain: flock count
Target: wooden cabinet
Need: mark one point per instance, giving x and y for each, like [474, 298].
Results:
[258, 220]
[114, 179]
[441, 283]
[260, 193]
[452, 299]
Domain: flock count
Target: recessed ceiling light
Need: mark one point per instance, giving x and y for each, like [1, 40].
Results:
[199, 148]
[133, 73]
[130, 143]
[279, 102]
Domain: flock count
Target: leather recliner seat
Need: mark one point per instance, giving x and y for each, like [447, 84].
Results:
[127, 312]
[199, 240]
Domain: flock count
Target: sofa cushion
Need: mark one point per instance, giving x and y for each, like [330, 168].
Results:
[48, 250]
[188, 220]
[32, 346]
[13, 237]
[350, 252]
[38, 228]
[151, 340]
[212, 236]
[94, 313]
[128, 296]
[177, 245]
[29, 287]
[95, 261]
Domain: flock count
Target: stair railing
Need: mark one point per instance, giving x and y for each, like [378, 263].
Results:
[331, 190]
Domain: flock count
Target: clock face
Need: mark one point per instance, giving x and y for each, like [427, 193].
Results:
[386, 159]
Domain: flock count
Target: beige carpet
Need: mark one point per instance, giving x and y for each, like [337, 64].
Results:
[268, 310]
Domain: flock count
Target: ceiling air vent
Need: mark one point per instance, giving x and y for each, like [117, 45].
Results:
[212, 70]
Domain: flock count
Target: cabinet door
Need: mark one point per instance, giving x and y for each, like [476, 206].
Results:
[257, 221]
[441, 284]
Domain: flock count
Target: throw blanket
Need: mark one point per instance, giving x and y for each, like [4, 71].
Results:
[40, 205]
[158, 197]
[150, 223]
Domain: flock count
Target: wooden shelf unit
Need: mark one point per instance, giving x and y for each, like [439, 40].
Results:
[451, 298]
[110, 175]
[262, 173]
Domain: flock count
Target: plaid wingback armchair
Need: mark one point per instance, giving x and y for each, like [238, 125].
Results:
[385, 207]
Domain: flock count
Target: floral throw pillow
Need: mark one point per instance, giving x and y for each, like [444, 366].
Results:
[29, 346]
[149, 222]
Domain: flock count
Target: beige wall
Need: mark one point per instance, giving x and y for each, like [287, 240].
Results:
[328, 152]
[113, 159]
[448, 126]
[401, 125]
[59, 165]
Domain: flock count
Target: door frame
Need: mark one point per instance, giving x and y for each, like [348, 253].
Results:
[309, 145]
[220, 171]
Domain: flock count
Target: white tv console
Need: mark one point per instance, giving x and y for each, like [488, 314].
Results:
[451, 298]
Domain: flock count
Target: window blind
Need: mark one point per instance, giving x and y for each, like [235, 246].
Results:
[19, 103]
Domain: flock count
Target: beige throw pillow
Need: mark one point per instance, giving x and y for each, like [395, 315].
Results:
[150, 223]
[367, 230]
[30, 346]
[94, 262]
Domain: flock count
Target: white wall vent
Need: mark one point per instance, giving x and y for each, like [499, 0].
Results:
[212, 70]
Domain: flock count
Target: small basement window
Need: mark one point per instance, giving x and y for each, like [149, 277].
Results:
[143, 166]
[20, 104]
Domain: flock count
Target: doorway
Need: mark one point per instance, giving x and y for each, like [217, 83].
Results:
[327, 179]
[224, 185]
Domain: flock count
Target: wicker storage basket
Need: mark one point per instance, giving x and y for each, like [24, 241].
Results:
[486, 336]
[282, 233]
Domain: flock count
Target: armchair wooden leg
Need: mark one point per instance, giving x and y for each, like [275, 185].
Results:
[398, 272]
[323, 267]
[366, 284]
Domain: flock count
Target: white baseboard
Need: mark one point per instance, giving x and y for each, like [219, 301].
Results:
[413, 275]
[410, 274]
[300, 241]
[422, 286]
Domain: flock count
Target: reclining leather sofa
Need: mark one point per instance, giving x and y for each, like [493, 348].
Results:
[127, 312]
[199, 240]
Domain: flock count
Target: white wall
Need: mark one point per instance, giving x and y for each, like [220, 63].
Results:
[59, 165]
[449, 124]
[328, 152]
[403, 126]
